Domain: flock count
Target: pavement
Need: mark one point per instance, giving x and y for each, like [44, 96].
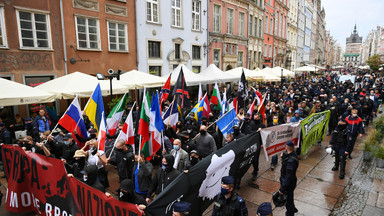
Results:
[319, 191]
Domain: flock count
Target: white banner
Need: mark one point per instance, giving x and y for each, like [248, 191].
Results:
[274, 138]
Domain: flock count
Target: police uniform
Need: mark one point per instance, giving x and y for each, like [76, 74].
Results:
[264, 209]
[339, 143]
[182, 207]
[233, 206]
[288, 179]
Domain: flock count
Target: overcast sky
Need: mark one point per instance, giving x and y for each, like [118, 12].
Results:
[341, 16]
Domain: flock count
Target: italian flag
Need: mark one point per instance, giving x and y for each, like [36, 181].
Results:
[144, 125]
[115, 115]
[215, 99]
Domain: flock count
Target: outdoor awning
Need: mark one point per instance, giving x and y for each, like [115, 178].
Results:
[77, 83]
[268, 75]
[191, 78]
[13, 93]
[305, 69]
[137, 79]
[249, 74]
[286, 73]
[214, 74]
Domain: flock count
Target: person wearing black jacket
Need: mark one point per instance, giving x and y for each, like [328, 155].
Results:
[255, 161]
[339, 143]
[68, 148]
[142, 175]
[90, 178]
[164, 176]
[127, 193]
[247, 126]
[123, 159]
[288, 179]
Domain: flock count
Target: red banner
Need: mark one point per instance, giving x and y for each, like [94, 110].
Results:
[40, 184]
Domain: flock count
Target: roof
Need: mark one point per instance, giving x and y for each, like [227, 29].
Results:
[351, 55]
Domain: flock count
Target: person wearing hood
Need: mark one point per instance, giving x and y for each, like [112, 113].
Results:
[78, 166]
[127, 193]
[142, 178]
[205, 143]
[68, 148]
[339, 143]
[90, 177]
[164, 176]
[247, 126]
[123, 159]
[296, 117]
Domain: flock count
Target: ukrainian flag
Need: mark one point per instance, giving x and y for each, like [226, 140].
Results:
[95, 107]
[198, 109]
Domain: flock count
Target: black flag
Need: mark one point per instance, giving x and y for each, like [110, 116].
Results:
[242, 92]
[181, 92]
[203, 181]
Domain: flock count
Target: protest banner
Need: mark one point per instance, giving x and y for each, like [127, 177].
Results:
[203, 181]
[40, 184]
[274, 138]
[313, 129]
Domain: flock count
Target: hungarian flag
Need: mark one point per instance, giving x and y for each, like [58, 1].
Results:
[215, 99]
[102, 133]
[144, 121]
[156, 127]
[127, 133]
[165, 90]
[180, 90]
[206, 107]
[115, 115]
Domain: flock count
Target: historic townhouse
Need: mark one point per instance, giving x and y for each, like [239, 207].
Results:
[170, 32]
[292, 34]
[281, 15]
[228, 33]
[255, 34]
[269, 32]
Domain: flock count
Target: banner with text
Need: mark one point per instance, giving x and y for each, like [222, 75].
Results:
[313, 129]
[40, 184]
[203, 181]
[274, 138]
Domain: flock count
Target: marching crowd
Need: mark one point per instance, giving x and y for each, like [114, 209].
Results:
[352, 106]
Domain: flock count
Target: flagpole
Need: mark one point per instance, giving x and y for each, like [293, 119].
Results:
[90, 97]
[213, 123]
[173, 102]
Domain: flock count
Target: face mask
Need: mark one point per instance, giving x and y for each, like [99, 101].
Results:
[275, 121]
[367, 98]
[67, 142]
[289, 111]
[176, 147]
[85, 178]
[93, 136]
[93, 150]
[348, 92]
[236, 131]
[247, 119]
[178, 126]
[372, 94]
[119, 150]
[345, 102]
[224, 191]
[203, 132]
[163, 166]
[354, 115]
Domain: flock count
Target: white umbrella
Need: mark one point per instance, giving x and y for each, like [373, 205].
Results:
[268, 75]
[286, 73]
[13, 93]
[214, 74]
[137, 79]
[305, 69]
[191, 78]
[77, 83]
[249, 74]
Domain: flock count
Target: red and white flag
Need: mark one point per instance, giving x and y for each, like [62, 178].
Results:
[250, 110]
[206, 107]
[127, 133]
[102, 133]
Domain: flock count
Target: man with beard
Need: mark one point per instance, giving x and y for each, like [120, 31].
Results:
[205, 144]
[123, 159]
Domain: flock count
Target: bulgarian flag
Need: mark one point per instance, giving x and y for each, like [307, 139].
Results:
[127, 133]
[144, 124]
[102, 133]
[115, 115]
[215, 99]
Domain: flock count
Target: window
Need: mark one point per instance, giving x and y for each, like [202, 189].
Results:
[230, 21]
[281, 26]
[250, 24]
[270, 51]
[271, 27]
[256, 20]
[216, 18]
[241, 24]
[261, 3]
[277, 23]
[240, 59]
[196, 15]
[154, 49]
[117, 37]
[87, 33]
[196, 52]
[176, 13]
[260, 32]
[3, 35]
[34, 30]
[254, 55]
[152, 11]
[196, 69]
[177, 51]
[216, 57]
[265, 50]
[155, 70]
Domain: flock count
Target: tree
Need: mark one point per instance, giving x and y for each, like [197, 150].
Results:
[374, 62]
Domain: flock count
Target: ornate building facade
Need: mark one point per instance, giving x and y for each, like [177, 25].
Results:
[255, 34]
[352, 49]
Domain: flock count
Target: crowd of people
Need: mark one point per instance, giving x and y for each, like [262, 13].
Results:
[352, 106]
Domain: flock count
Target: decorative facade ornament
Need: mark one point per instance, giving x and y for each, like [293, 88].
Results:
[86, 5]
[115, 10]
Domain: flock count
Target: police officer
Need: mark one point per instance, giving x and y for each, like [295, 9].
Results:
[181, 208]
[288, 178]
[228, 202]
[265, 209]
[339, 144]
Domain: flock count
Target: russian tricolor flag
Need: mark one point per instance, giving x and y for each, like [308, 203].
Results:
[73, 119]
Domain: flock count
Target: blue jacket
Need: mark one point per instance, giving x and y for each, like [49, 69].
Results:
[295, 119]
[41, 124]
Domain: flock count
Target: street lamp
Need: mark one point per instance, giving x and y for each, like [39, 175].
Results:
[111, 75]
